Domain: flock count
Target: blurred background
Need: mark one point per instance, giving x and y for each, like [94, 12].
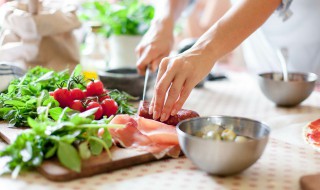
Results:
[111, 29]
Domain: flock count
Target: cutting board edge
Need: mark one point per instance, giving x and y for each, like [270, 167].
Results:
[112, 166]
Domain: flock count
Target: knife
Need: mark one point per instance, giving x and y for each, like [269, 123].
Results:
[146, 77]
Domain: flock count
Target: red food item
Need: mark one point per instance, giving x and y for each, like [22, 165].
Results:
[95, 88]
[51, 93]
[77, 94]
[63, 96]
[182, 114]
[103, 97]
[99, 112]
[77, 105]
[144, 134]
[312, 134]
[159, 132]
[109, 106]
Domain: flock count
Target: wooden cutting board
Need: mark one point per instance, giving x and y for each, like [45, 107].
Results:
[54, 171]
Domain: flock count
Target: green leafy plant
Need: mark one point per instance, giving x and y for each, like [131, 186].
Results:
[20, 100]
[127, 17]
[71, 136]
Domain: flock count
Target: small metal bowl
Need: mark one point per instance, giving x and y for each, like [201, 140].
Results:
[287, 93]
[223, 157]
[125, 79]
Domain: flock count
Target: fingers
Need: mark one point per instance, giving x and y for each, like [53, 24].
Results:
[162, 70]
[164, 80]
[173, 94]
[185, 92]
[147, 56]
[139, 49]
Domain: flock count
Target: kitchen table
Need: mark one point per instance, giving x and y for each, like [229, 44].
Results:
[286, 158]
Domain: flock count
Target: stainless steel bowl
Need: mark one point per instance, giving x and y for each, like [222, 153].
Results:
[287, 93]
[125, 79]
[222, 157]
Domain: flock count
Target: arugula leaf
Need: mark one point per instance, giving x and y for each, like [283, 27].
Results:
[69, 157]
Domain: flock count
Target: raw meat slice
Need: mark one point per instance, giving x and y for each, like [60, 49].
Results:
[158, 132]
[145, 134]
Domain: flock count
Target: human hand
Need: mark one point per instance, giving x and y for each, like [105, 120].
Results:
[155, 45]
[177, 76]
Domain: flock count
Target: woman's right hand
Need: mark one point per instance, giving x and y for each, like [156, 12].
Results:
[155, 45]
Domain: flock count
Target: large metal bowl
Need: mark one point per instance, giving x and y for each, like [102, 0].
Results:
[125, 79]
[223, 157]
[287, 93]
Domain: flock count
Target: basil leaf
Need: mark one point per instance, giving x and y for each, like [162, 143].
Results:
[69, 157]
[84, 150]
[15, 103]
[51, 151]
[107, 138]
[96, 147]
[45, 77]
[55, 113]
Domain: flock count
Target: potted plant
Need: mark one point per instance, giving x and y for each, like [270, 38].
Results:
[123, 23]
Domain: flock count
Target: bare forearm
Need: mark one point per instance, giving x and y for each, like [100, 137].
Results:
[235, 26]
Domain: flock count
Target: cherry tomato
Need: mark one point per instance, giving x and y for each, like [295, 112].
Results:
[103, 97]
[77, 94]
[99, 112]
[85, 93]
[77, 105]
[63, 96]
[95, 88]
[110, 107]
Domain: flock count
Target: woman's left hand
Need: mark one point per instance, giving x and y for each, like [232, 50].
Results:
[177, 76]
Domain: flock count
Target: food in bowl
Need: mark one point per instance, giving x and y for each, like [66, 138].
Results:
[220, 157]
[218, 133]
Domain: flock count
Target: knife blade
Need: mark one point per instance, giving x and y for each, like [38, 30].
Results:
[146, 77]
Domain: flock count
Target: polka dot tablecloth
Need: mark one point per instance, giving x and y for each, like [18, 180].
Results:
[280, 167]
[284, 161]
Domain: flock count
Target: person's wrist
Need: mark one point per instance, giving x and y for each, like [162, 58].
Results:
[204, 52]
[164, 23]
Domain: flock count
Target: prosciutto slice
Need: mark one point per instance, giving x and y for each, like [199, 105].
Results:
[145, 134]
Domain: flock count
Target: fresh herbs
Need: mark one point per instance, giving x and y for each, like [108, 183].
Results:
[127, 17]
[71, 135]
[20, 100]
[122, 99]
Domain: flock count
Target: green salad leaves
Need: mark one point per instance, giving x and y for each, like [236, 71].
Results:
[20, 100]
[71, 135]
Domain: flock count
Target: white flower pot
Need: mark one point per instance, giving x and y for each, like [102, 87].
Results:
[122, 51]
